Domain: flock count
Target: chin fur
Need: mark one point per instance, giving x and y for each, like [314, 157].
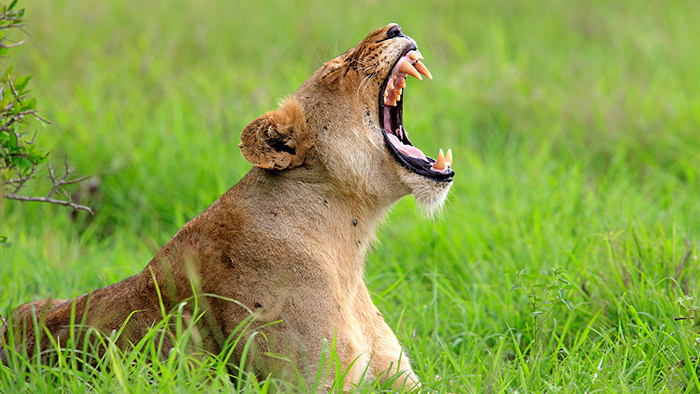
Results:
[430, 194]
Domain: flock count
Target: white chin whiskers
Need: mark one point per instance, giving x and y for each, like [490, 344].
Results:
[430, 194]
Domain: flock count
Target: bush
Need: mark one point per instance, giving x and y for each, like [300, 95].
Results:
[20, 157]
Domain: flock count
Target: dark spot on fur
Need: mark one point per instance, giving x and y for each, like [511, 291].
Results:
[379, 314]
[354, 222]
[274, 213]
[325, 202]
[257, 305]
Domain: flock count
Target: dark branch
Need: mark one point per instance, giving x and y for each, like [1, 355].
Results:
[57, 184]
[69, 203]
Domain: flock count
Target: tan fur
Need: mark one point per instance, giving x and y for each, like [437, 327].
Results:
[288, 242]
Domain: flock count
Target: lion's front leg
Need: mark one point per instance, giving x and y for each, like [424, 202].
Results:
[391, 362]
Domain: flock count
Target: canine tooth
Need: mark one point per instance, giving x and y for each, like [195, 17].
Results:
[440, 162]
[448, 157]
[408, 68]
[422, 69]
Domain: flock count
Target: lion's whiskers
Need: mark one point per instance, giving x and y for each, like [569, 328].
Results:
[359, 87]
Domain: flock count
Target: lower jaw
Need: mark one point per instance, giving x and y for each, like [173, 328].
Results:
[424, 173]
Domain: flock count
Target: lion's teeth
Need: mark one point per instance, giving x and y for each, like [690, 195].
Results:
[407, 67]
[390, 85]
[448, 157]
[440, 162]
[415, 55]
[401, 83]
[422, 69]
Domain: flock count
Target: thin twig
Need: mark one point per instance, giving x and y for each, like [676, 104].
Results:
[37, 116]
[13, 45]
[68, 203]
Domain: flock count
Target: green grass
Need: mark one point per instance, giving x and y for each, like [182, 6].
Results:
[576, 133]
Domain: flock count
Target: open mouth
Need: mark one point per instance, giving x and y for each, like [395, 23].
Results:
[391, 118]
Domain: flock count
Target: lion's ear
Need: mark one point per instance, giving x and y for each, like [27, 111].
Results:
[278, 139]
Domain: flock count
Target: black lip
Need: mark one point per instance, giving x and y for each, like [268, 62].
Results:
[418, 166]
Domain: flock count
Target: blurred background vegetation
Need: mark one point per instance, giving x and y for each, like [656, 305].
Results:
[575, 128]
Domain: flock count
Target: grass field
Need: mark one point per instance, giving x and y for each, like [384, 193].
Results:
[570, 242]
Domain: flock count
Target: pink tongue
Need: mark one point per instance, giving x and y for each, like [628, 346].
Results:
[407, 150]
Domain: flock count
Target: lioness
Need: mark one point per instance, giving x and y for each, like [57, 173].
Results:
[287, 243]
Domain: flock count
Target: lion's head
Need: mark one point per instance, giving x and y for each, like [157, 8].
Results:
[346, 122]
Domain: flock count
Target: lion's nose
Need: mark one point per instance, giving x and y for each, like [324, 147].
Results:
[394, 30]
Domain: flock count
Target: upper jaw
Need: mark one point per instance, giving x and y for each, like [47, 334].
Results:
[391, 119]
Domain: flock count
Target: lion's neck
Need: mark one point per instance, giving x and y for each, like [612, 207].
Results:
[299, 205]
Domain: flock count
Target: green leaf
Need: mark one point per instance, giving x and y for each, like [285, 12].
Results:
[21, 83]
[24, 164]
[12, 143]
[568, 303]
